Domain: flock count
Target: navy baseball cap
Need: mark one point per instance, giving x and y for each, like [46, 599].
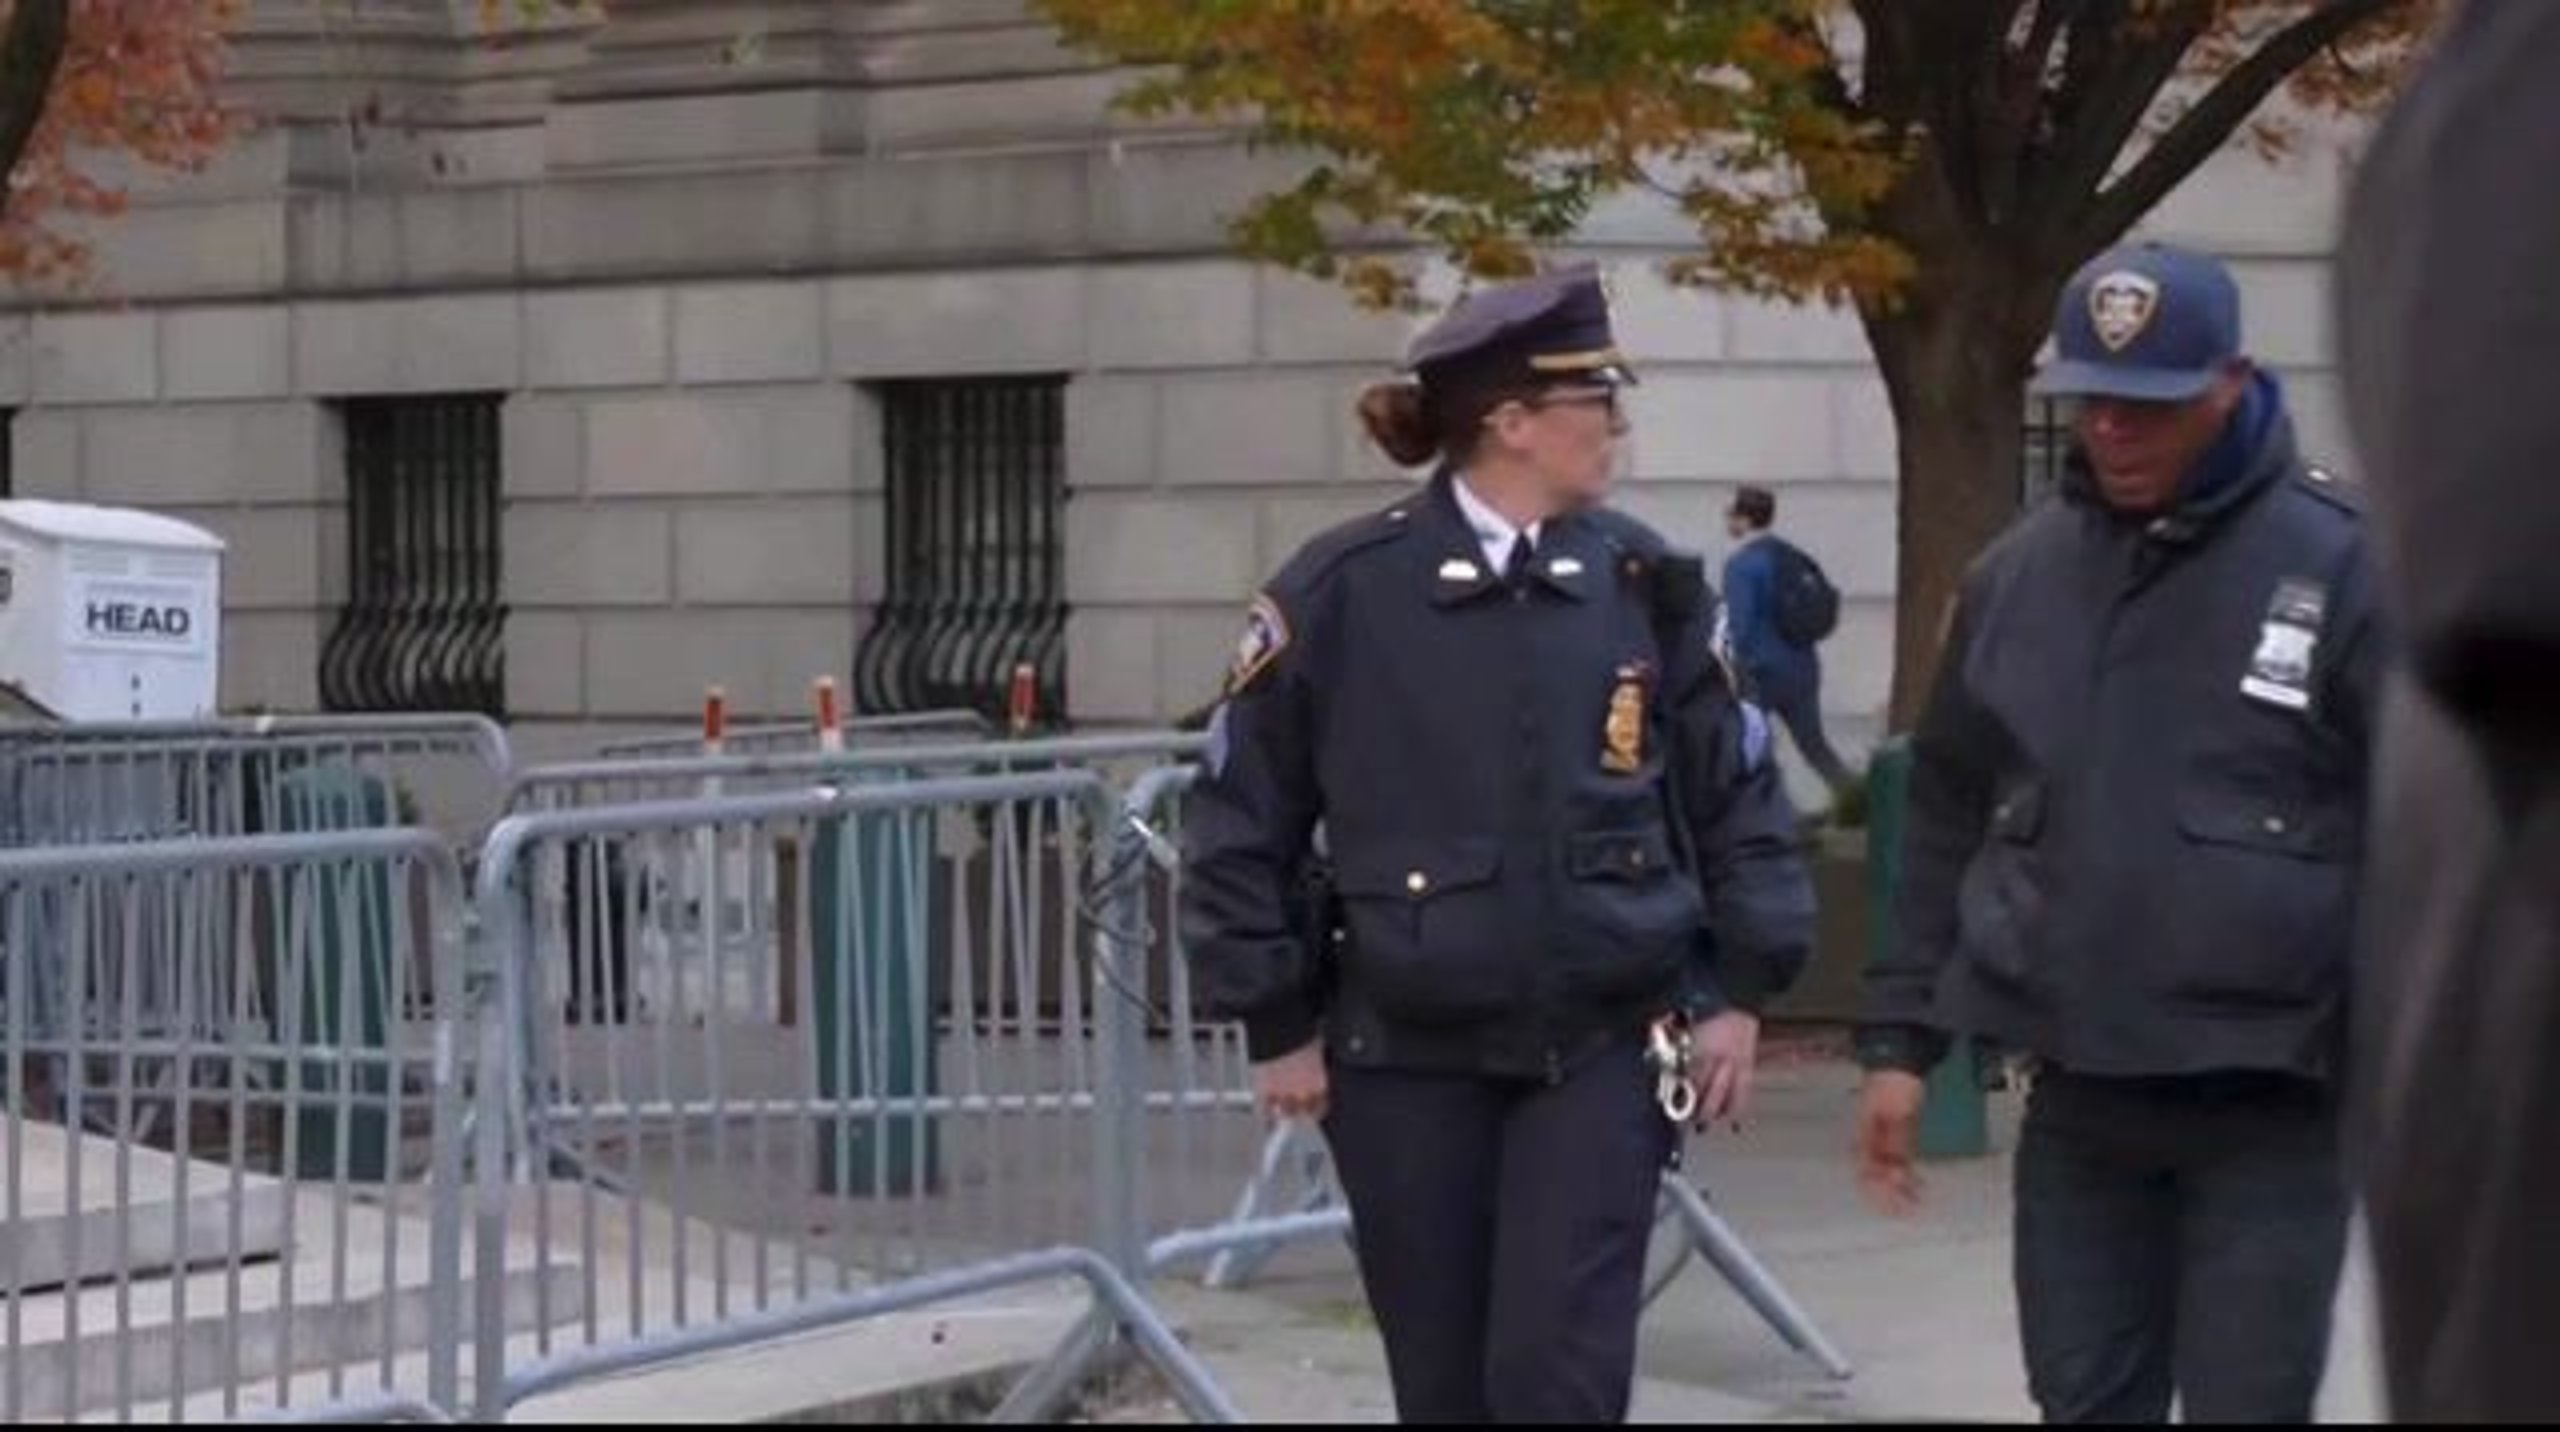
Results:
[2153, 324]
[1548, 329]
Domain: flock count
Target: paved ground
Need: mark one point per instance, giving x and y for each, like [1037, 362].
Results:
[1923, 1308]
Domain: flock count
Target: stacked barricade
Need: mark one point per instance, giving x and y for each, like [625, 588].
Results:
[84, 785]
[782, 738]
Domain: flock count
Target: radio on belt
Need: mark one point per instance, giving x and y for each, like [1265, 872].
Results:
[109, 613]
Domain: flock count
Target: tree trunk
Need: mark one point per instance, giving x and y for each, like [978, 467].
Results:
[30, 55]
[1956, 367]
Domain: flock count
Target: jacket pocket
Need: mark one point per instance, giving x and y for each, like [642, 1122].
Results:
[2264, 901]
[1429, 941]
[2266, 827]
[2001, 902]
[1636, 915]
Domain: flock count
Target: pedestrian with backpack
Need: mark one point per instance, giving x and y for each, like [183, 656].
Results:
[1779, 607]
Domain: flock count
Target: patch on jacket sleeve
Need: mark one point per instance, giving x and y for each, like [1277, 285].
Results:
[1266, 636]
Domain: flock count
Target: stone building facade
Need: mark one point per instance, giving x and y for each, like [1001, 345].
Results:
[586, 365]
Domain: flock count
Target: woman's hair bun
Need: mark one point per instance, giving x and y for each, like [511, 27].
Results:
[1400, 423]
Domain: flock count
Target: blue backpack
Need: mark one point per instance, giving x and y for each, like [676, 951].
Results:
[1807, 606]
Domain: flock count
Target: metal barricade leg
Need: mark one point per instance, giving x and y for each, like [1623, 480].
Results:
[1117, 1307]
[1043, 1392]
[1683, 1249]
[1722, 1247]
[1235, 1268]
[1119, 1128]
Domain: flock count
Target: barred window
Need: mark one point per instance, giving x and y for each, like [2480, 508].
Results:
[424, 626]
[976, 547]
[2047, 448]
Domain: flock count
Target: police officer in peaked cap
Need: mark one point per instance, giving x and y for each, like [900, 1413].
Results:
[1564, 877]
[2138, 804]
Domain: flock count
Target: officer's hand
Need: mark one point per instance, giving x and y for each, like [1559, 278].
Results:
[1888, 1141]
[1293, 1086]
[1729, 1046]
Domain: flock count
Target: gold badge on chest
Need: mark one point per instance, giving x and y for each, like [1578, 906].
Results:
[1622, 736]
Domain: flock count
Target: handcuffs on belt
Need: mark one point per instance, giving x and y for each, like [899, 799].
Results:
[1672, 1050]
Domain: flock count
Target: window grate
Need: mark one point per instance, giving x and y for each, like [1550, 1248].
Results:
[976, 547]
[424, 624]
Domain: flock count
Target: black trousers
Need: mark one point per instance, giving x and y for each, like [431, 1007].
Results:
[1501, 1230]
[2178, 1241]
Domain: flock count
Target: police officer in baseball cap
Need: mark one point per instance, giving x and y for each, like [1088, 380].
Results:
[1564, 876]
[2137, 802]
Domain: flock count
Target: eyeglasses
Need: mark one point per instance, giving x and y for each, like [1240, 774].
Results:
[1603, 398]
[1577, 398]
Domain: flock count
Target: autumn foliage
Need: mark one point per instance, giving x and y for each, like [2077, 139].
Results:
[1941, 165]
[1488, 127]
[134, 81]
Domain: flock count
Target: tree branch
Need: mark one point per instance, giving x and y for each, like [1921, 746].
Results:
[1891, 70]
[2051, 16]
[1970, 44]
[1831, 86]
[2016, 109]
[2084, 59]
[30, 56]
[2205, 128]
[2117, 79]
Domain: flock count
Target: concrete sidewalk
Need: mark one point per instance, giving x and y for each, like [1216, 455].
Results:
[1923, 1309]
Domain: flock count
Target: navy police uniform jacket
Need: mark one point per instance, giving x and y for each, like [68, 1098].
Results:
[2138, 793]
[1546, 817]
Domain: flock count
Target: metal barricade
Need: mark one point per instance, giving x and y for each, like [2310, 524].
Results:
[782, 738]
[860, 1051]
[96, 783]
[1116, 755]
[234, 1125]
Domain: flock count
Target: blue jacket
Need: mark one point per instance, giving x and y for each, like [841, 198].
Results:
[1768, 661]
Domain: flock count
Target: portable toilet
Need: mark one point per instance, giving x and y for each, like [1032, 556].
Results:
[108, 613]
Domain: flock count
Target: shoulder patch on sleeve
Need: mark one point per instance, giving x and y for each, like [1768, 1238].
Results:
[1266, 635]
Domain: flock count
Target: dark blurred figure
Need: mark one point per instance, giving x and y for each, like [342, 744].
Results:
[2448, 300]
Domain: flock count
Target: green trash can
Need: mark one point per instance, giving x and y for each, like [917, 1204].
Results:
[341, 1109]
[873, 886]
[1954, 1123]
